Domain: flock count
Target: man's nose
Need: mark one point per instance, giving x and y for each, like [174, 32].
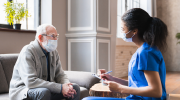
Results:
[55, 38]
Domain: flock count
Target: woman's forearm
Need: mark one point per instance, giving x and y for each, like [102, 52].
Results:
[142, 91]
[121, 81]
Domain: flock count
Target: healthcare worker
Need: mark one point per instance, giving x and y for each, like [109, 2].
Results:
[146, 71]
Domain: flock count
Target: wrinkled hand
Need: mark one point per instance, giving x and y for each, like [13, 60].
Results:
[67, 90]
[72, 91]
[113, 86]
[105, 76]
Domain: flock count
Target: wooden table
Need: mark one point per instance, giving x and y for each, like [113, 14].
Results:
[103, 91]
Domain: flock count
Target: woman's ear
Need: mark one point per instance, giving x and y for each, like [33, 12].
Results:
[40, 38]
[135, 31]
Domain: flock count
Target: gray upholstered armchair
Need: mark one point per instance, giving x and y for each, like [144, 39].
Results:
[7, 61]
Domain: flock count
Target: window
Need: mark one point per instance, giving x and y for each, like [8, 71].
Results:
[124, 5]
[33, 7]
[2, 17]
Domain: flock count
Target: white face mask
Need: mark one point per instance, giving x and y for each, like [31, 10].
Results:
[123, 36]
[50, 45]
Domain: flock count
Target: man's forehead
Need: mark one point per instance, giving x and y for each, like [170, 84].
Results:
[51, 30]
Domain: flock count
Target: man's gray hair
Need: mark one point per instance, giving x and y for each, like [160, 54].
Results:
[42, 29]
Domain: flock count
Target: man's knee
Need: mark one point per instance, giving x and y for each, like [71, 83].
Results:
[39, 93]
[76, 87]
[46, 92]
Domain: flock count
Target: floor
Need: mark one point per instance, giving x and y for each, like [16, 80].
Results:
[172, 85]
[173, 82]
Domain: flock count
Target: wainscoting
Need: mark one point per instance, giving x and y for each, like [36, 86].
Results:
[123, 56]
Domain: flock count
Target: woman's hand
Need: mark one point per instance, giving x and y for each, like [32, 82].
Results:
[105, 76]
[113, 86]
[101, 71]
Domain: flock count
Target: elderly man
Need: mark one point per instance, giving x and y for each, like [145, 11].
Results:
[38, 74]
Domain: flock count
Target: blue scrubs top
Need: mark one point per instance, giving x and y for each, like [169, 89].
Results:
[146, 58]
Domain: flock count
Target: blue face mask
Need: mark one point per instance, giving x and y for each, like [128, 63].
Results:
[123, 36]
[50, 46]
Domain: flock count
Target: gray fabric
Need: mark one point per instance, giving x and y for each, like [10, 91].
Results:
[39, 94]
[84, 92]
[45, 94]
[83, 79]
[8, 61]
[30, 71]
[4, 96]
[3, 82]
[60, 95]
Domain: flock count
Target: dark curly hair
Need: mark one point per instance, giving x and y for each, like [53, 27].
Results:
[150, 29]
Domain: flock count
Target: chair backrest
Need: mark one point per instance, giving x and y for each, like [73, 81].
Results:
[7, 62]
[83, 79]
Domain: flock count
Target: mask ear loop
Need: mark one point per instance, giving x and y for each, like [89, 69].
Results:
[128, 32]
[46, 41]
[133, 35]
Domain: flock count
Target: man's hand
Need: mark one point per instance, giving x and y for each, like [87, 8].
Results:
[67, 90]
[72, 91]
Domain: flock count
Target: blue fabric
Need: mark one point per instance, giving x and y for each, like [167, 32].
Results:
[146, 58]
[102, 98]
[47, 60]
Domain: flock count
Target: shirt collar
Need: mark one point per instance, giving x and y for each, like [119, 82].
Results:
[39, 49]
[44, 51]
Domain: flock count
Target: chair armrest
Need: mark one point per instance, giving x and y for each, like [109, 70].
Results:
[83, 79]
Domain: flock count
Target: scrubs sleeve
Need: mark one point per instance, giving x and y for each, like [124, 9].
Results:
[148, 61]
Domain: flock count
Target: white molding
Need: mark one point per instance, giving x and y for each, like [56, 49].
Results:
[103, 35]
[81, 40]
[97, 60]
[81, 34]
[79, 28]
[102, 28]
[93, 34]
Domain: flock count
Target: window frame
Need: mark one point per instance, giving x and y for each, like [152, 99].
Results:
[148, 5]
[38, 5]
[121, 9]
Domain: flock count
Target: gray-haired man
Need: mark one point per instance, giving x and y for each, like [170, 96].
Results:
[38, 74]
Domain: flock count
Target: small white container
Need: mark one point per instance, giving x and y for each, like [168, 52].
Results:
[104, 84]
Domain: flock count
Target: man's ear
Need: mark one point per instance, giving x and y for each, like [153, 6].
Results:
[40, 38]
